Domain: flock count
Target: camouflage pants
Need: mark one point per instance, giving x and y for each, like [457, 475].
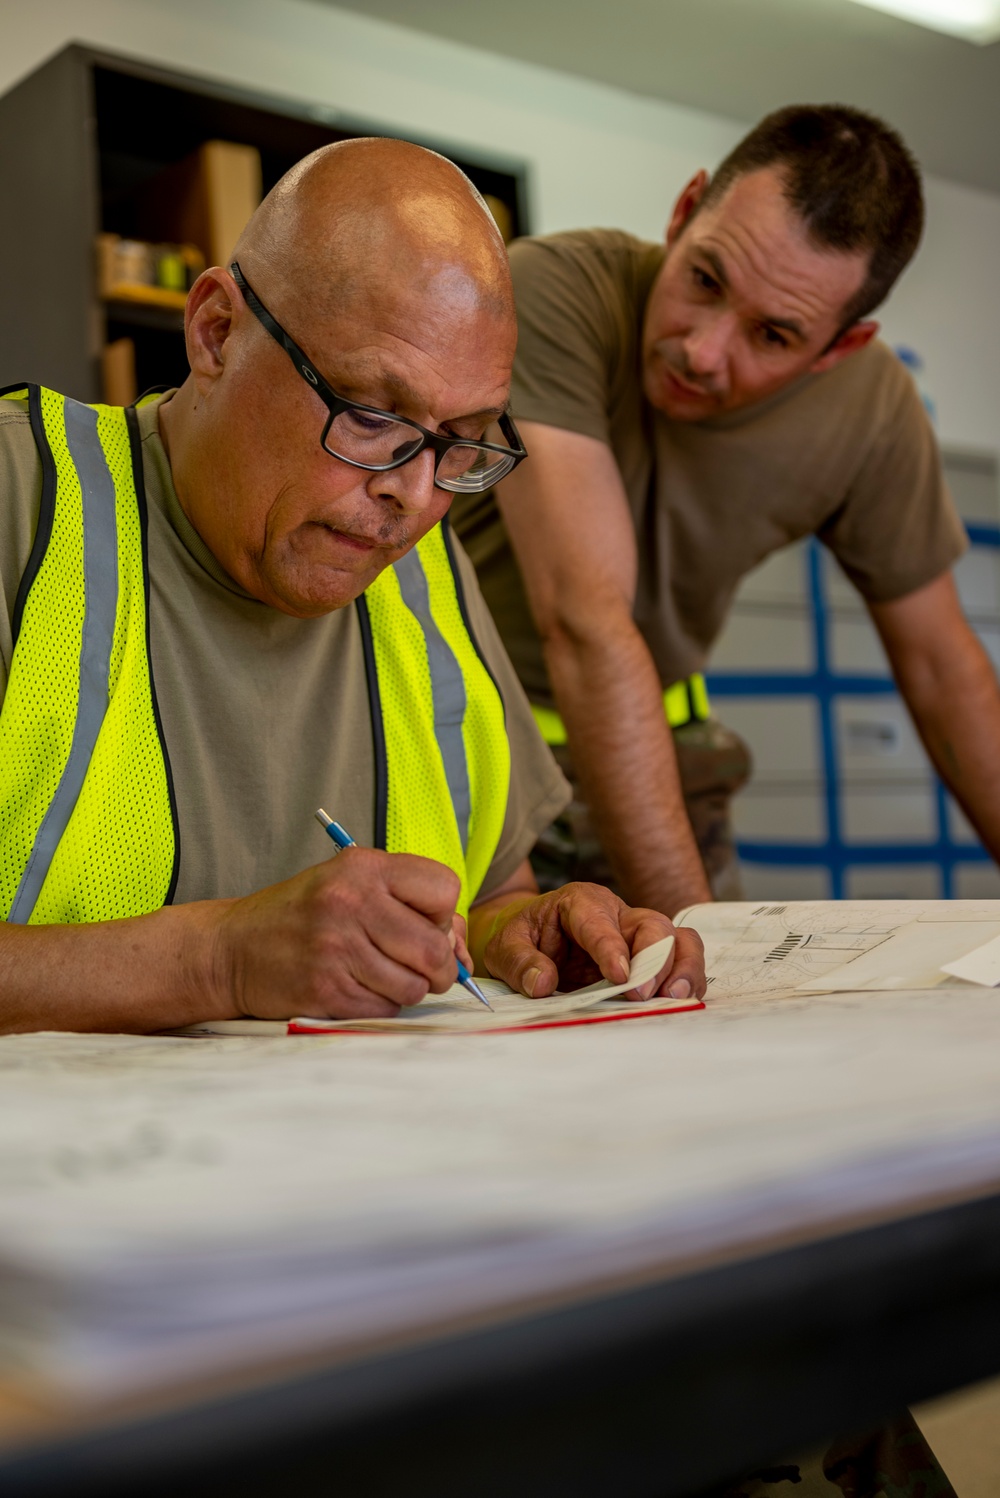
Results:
[892, 1461]
[713, 762]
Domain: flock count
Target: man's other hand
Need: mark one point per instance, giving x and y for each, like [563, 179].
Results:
[582, 932]
[359, 936]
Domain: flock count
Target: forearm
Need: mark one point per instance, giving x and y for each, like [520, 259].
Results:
[956, 708]
[611, 701]
[357, 936]
[572, 531]
[151, 972]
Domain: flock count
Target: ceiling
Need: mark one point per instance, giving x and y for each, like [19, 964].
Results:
[741, 58]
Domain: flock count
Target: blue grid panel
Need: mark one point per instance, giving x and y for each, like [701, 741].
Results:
[821, 686]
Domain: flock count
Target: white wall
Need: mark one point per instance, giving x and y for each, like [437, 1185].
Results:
[596, 155]
[947, 305]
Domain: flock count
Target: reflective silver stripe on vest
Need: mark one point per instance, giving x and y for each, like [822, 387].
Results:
[100, 574]
[447, 687]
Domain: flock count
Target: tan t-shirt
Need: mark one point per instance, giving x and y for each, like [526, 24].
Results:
[265, 717]
[848, 455]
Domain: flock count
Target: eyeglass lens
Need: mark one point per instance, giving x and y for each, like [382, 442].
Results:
[377, 442]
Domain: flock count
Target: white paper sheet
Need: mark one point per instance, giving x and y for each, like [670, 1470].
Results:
[981, 965]
[761, 950]
[911, 957]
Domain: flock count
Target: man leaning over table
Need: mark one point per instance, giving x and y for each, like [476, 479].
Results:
[691, 408]
[241, 601]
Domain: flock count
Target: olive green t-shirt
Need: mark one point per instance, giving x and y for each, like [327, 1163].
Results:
[847, 455]
[265, 717]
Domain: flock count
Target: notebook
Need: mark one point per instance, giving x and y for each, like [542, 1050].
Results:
[458, 1011]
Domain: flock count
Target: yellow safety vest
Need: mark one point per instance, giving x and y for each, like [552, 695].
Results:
[88, 820]
[684, 702]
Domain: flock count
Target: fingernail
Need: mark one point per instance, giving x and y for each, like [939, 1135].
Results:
[623, 970]
[647, 990]
[531, 978]
[681, 989]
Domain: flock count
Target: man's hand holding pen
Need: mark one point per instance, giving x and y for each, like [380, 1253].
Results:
[358, 936]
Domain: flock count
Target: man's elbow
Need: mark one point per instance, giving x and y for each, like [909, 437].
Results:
[580, 625]
[931, 673]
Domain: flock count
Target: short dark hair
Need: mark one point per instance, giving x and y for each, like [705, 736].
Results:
[849, 177]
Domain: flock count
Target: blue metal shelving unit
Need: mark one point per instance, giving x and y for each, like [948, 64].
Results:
[822, 685]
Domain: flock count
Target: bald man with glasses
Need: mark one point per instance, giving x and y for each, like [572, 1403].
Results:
[240, 601]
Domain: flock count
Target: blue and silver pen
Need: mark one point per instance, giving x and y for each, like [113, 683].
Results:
[343, 839]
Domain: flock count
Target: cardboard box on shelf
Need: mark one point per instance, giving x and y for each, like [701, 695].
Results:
[205, 199]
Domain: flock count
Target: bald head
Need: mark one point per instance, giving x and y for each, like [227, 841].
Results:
[359, 221]
[383, 264]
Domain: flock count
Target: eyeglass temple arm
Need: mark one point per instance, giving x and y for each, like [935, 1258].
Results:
[272, 325]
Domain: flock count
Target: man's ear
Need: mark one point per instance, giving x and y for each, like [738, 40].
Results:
[686, 205]
[856, 337]
[208, 319]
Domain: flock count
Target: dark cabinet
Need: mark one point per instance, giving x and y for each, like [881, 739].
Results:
[80, 141]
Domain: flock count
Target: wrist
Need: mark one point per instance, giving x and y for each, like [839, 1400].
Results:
[496, 923]
[508, 911]
[486, 919]
[207, 969]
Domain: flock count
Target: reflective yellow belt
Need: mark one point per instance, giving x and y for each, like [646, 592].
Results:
[684, 702]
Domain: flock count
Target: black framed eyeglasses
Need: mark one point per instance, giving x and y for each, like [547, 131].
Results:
[378, 440]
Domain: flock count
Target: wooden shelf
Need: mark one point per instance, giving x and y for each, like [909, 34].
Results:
[147, 296]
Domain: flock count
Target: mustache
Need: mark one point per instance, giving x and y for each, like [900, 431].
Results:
[393, 534]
